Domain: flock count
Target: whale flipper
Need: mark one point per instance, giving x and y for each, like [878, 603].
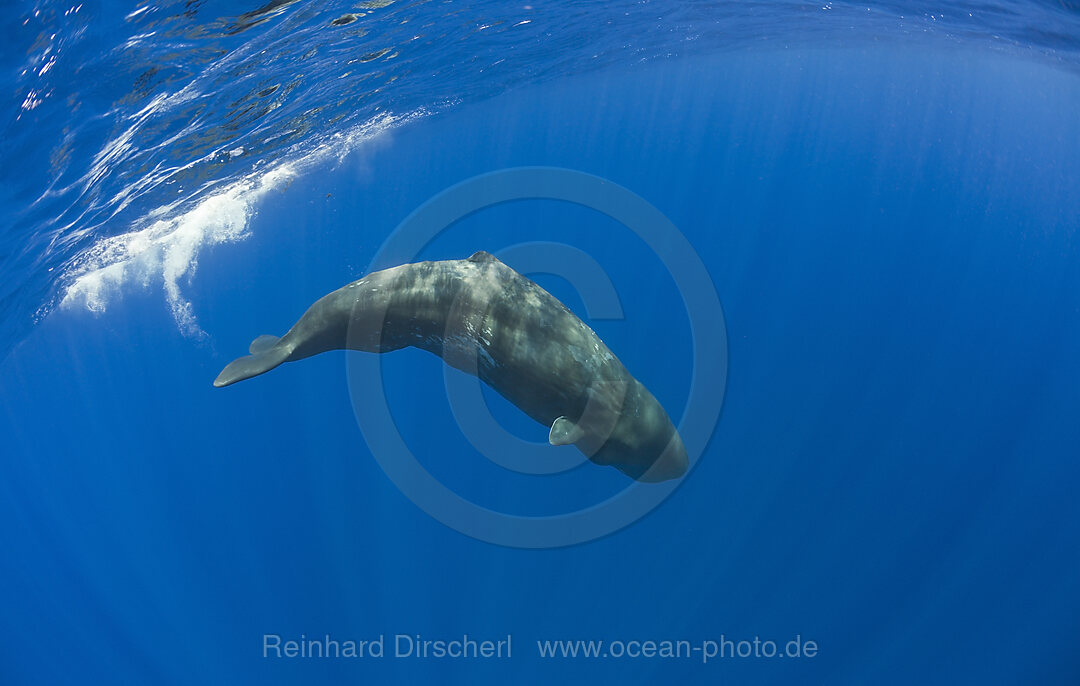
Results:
[565, 432]
[265, 355]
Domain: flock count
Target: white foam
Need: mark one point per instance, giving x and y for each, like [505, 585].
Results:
[164, 247]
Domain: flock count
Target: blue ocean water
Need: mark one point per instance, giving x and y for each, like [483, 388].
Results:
[884, 197]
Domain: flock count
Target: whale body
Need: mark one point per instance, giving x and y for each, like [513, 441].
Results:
[488, 320]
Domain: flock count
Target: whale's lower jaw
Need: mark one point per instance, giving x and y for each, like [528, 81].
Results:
[671, 464]
[666, 468]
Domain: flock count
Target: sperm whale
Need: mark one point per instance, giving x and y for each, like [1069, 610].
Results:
[486, 319]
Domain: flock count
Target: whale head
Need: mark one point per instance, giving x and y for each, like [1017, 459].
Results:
[649, 450]
[629, 431]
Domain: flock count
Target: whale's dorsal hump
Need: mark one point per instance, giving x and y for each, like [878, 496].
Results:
[482, 256]
[565, 432]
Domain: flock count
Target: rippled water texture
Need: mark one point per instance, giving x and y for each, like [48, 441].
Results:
[136, 138]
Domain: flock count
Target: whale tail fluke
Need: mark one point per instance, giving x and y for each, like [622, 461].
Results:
[263, 343]
[265, 355]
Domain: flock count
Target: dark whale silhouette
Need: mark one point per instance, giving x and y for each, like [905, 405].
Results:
[486, 319]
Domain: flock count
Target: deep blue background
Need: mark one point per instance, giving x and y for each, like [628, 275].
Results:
[894, 239]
